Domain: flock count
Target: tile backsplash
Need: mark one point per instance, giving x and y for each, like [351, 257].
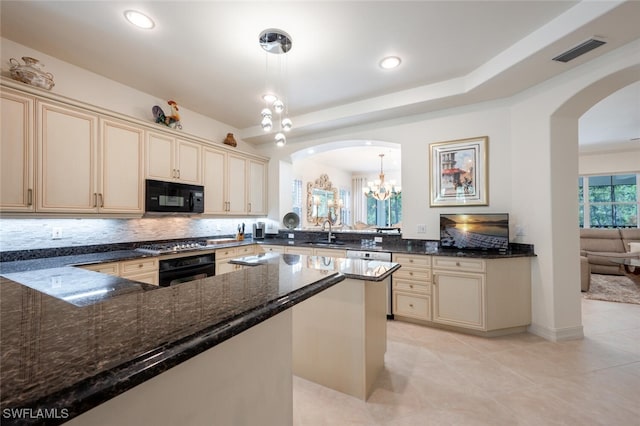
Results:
[28, 234]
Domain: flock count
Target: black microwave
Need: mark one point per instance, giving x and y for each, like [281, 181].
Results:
[172, 197]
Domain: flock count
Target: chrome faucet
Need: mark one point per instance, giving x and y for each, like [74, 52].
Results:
[329, 237]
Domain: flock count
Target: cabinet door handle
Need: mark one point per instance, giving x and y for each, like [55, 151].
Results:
[101, 200]
[249, 207]
[95, 199]
[178, 173]
[29, 197]
[457, 263]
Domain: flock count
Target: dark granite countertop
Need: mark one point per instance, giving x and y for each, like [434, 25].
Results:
[359, 269]
[70, 260]
[78, 353]
[404, 246]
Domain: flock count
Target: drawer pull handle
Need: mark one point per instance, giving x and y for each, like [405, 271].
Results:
[410, 285]
[411, 273]
[457, 263]
[140, 265]
[411, 305]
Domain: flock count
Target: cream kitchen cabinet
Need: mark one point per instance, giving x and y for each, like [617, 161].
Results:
[142, 270]
[67, 146]
[270, 249]
[16, 152]
[257, 188]
[234, 184]
[87, 164]
[111, 268]
[487, 295]
[223, 256]
[121, 170]
[173, 159]
[411, 295]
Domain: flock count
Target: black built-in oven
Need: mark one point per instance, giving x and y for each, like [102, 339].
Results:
[172, 197]
[182, 269]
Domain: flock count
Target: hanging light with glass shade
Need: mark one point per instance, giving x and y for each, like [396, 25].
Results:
[277, 42]
[380, 189]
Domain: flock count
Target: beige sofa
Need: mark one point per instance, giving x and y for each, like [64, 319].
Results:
[600, 246]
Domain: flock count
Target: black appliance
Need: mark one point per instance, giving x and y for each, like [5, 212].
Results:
[172, 197]
[183, 269]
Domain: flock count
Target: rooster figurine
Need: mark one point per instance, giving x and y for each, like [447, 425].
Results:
[172, 120]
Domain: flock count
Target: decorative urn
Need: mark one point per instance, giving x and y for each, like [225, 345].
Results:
[31, 72]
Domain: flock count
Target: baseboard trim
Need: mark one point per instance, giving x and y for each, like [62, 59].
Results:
[557, 334]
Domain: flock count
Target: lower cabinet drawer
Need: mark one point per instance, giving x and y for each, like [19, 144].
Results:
[411, 305]
[104, 268]
[271, 249]
[245, 250]
[136, 266]
[226, 253]
[411, 286]
[145, 277]
[423, 275]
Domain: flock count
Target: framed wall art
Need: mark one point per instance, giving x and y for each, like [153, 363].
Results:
[459, 172]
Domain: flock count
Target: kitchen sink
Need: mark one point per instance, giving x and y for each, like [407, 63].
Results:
[324, 243]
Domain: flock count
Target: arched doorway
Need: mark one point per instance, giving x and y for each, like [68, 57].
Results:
[563, 128]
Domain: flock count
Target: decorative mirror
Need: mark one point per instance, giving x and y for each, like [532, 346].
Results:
[322, 201]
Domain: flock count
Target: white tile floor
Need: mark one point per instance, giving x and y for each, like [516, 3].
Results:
[435, 377]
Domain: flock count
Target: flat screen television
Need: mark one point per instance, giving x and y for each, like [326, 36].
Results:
[485, 232]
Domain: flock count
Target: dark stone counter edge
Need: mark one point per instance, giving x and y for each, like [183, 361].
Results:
[375, 279]
[98, 389]
[402, 246]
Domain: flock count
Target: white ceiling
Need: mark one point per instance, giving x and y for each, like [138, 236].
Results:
[206, 55]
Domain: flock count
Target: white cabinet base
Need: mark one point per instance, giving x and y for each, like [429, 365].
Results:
[340, 336]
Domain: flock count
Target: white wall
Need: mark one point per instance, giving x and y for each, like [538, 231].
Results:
[533, 170]
[85, 86]
[600, 163]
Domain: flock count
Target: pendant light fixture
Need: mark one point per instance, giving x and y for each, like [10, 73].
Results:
[379, 189]
[276, 42]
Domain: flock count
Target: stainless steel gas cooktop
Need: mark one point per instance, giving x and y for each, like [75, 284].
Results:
[164, 248]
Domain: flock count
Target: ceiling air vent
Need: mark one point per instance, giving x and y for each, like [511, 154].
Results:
[579, 50]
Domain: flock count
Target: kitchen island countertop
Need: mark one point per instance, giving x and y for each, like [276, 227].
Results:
[359, 269]
[73, 357]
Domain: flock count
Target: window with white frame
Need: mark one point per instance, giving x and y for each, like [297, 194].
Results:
[296, 197]
[609, 201]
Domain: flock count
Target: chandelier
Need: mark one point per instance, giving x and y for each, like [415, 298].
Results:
[277, 42]
[381, 190]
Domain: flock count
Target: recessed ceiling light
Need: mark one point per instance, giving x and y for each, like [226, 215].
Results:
[269, 98]
[139, 19]
[389, 62]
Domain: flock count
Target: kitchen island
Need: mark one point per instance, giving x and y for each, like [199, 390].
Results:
[339, 335]
[211, 350]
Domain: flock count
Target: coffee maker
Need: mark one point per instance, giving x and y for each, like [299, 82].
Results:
[258, 231]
